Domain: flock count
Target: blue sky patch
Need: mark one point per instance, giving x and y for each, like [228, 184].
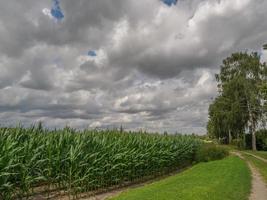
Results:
[56, 11]
[169, 2]
[92, 53]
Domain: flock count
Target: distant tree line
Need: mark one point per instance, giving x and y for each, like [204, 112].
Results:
[241, 104]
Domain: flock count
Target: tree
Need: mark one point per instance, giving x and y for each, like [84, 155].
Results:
[217, 124]
[241, 83]
[225, 117]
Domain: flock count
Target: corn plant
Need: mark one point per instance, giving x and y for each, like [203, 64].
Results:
[87, 160]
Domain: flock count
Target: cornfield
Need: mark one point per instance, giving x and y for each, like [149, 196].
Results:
[80, 161]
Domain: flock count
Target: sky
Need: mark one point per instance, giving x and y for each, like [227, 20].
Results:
[146, 64]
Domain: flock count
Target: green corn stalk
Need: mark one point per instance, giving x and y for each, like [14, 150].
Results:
[81, 161]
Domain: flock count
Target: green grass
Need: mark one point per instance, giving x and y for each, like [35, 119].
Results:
[262, 154]
[227, 179]
[259, 164]
[229, 147]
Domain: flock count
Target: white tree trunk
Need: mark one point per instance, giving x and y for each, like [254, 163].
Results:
[230, 137]
[254, 147]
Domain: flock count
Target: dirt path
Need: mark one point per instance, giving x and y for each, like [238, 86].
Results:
[259, 189]
[113, 192]
[258, 157]
[105, 195]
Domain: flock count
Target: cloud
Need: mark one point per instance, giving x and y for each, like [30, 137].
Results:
[47, 12]
[142, 64]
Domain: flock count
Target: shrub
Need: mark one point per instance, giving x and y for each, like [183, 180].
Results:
[238, 143]
[209, 152]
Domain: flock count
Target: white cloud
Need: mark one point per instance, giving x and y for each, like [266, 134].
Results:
[154, 67]
[47, 12]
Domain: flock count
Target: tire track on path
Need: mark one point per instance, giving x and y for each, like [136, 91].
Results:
[259, 189]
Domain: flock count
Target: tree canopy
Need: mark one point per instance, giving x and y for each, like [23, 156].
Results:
[242, 97]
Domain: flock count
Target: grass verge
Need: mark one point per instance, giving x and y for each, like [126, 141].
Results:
[262, 154]
[227, 179]
[259, 164]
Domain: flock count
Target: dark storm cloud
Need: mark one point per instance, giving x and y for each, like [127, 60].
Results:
[214, 30]
[142, 64]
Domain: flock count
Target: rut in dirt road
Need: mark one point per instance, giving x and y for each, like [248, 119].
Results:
[259, 188]
[258, 157]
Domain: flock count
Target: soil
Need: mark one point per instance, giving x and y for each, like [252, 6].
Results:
[259, 189]
[60, 195]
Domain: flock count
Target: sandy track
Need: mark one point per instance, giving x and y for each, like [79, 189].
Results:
[259, 189]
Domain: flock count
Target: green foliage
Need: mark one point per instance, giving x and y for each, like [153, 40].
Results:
[261, 136]
[227, 179]
[80, 161]
[243, 94]
[239, 143]
[210, 152]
